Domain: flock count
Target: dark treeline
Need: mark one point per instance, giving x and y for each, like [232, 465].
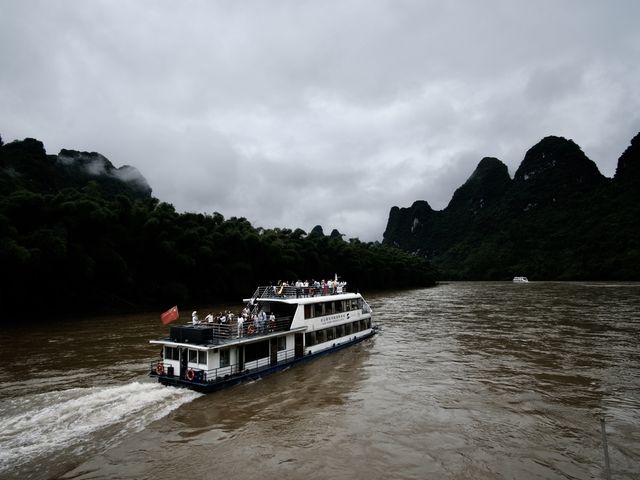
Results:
[71, 243]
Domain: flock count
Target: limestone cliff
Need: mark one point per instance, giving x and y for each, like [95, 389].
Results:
[558, 218]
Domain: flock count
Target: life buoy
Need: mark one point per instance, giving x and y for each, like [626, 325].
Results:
[251, 329]
[190, 375]
[160, 369]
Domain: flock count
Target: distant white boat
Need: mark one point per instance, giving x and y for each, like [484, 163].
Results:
[520, 280]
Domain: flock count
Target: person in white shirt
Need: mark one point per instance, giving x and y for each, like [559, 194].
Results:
[194, 318]
[240, 323]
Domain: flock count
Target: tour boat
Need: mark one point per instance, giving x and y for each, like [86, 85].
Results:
[280, 326]
[520, 280]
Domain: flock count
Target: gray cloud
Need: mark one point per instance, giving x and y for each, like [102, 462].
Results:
[294, 113]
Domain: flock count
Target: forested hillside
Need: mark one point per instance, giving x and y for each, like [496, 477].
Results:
[559, 218]
[78, 235]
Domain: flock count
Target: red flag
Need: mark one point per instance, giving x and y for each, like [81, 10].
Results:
[170, 315]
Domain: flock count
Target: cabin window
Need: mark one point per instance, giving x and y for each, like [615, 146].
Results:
[310, 339]
[360, 303]
[330, 308]
[171, 353]
[331, 333]
[225, 357]
[311, 310]
[347, 329]
[339, 331]
[356, 327]
[282, 343]
[193, 356]
[363, 325]
[321, 336]
[202, 357]
[339, 306]
[255, 351]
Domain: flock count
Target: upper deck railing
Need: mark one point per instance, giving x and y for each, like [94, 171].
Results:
[286, 291]
[216, 333]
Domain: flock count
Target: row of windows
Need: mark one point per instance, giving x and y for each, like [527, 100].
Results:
[328, 334]
[171, 353]
[329, 308]
[194, 356]
[200, 356]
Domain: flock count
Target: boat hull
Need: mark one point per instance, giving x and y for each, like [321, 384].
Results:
[220, 383]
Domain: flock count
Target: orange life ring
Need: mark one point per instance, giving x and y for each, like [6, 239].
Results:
[160, 369]
[251, 330]
[190, 375]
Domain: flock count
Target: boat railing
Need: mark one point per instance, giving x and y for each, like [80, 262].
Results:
[253, 366]
[286, 292]
[248, 328]
[223, 373]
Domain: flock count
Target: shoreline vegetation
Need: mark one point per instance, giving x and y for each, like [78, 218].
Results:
[558, 218]
[77, 234]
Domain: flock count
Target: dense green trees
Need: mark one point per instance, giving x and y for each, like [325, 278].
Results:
[557, 219]
[91, 248]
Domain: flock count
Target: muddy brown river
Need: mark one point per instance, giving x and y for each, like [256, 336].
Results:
[466, 381]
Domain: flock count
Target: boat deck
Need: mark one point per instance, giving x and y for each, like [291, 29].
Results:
[212, 334]
[271, 292]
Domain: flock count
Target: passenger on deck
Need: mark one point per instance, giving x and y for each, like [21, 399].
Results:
[262, 321]
[253, 326]
[209, 318]
[194, 318]
[232, 321]
[240, 324]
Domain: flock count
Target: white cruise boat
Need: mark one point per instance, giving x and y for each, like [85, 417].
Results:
[520, 280]
[284, 326]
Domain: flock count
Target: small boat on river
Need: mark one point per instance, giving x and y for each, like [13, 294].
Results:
[279, 327]
[520, 280]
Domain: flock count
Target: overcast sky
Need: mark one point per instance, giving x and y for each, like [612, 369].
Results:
[297, 113]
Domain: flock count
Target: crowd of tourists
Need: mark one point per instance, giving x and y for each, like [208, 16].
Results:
[305, 288]
[246, 323]
[253, 320]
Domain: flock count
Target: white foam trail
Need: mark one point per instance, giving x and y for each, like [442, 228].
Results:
[49, 422]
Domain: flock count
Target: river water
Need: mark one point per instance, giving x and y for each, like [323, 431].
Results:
[466, 381]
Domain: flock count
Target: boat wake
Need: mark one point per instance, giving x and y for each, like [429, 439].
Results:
[48, 424]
